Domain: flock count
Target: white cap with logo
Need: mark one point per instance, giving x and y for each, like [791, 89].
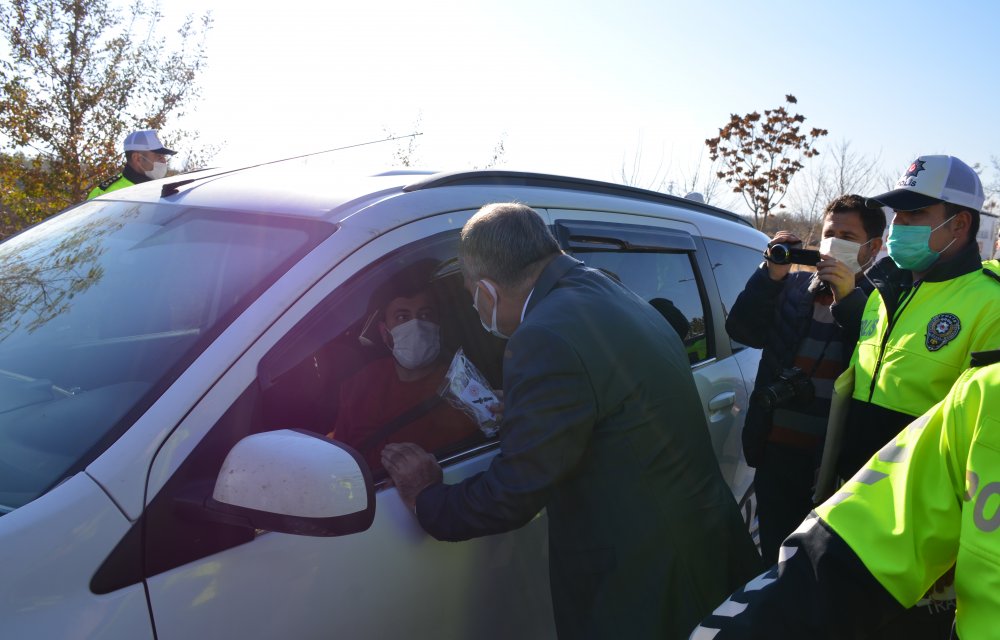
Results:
[933, 179]
[146, 140]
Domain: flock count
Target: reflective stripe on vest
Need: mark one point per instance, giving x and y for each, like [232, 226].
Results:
[930, 499]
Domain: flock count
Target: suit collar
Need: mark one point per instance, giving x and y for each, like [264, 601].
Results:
[550, 275]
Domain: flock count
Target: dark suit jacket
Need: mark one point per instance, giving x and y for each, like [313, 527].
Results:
[603, 426]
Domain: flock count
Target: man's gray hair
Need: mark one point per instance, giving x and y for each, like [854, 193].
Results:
[503, 241]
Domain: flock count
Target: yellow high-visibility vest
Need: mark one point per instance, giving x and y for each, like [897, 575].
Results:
[908, 362]
[114, 183]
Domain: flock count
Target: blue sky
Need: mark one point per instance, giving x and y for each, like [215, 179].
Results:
[587, 88]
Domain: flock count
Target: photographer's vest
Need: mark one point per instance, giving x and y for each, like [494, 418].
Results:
[930, 499]
[909, 361]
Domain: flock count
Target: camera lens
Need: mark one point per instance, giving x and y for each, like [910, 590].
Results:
[779, 253]
[791, 387]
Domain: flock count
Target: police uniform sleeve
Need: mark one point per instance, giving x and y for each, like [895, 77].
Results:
[869, 552]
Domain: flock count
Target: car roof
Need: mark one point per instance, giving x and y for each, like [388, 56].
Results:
[323, 190]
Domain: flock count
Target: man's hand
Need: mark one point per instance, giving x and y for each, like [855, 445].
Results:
[779, 271]
[838, 275]
[412, 470]
[497, 408]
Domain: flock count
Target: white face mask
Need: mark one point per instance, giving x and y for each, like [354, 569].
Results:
[158, 171]
[843, 250]
[492, 326]
[416, 343]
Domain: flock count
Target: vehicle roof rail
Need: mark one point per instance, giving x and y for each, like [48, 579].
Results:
[529, 179]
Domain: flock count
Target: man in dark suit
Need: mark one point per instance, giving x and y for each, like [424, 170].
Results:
[604, 428]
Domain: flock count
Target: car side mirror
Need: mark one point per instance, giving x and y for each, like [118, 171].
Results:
[294, 482]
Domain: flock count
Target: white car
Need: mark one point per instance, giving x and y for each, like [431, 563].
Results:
[170, 358]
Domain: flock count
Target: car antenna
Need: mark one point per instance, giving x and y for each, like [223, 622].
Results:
[171, 188]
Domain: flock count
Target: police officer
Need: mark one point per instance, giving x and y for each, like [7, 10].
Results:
[145, 159]
[918, 329]
[927, 502]
[936, 304]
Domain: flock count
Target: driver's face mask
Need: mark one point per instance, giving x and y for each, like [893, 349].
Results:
[492, 326]
[415, 343]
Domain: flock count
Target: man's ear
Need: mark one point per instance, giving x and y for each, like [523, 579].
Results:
[137, 161]
[485, 293]
[875, 246]
[963, 221]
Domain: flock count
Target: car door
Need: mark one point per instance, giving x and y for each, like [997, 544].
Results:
[664, 261]
[206, 579]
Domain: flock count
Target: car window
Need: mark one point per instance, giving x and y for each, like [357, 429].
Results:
[657, 263]
[366, 367]
[333, 373]
[103, 306]
[732, 264]
[665, 280]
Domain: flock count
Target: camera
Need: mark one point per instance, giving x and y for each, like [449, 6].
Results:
[792, 386]
[784, 254]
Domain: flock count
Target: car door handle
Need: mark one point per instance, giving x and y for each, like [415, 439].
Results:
[722, 401]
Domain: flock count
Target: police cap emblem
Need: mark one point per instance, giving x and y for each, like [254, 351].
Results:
[915, 167]
[941, 330]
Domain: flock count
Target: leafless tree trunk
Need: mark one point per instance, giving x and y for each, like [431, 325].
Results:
[842, 171]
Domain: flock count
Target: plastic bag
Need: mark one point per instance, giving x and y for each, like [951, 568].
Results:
[466, 389]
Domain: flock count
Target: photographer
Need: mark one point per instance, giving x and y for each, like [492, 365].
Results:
[788, 315]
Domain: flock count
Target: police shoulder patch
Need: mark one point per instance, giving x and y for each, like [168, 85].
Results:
[110, 181]
[941, 330]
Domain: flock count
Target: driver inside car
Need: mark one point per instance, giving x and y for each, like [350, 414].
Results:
[395, 398]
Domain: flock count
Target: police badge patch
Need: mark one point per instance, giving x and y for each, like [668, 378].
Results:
[941, 330]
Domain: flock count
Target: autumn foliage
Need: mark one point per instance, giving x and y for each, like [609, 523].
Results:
[75, 77]
[759, 154]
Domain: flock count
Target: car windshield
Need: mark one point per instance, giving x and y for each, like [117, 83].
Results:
[102, 307]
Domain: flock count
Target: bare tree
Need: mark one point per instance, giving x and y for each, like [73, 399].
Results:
[761, 154]
[706, 181]
[631, 173]
[842, 171]
[697, 179]
[852, 172]
[497, 155]
[405, 154]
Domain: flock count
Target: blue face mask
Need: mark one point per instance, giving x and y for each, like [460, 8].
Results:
[909, 246]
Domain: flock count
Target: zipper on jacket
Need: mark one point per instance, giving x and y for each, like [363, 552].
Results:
[888, 331]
